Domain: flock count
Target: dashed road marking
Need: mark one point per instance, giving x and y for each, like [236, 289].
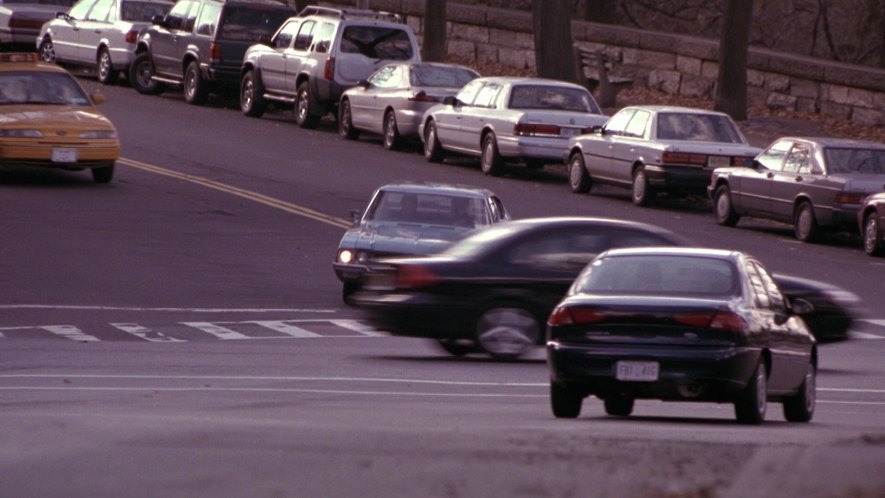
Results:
[222, 333]
[145, 333]
[70, 332]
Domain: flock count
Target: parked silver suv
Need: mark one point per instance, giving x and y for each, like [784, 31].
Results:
[317, 55]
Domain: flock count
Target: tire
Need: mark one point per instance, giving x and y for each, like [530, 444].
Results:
[252, 101]
[196, 90]
[804, 223]
[304, 111]
[433, 151]
[140, 73]
[457, 347]
[749, 407]
[103, 174]
[800, 408]
[507, 331]
[872, 243]
[47, 51]
[642, 193]
[104, 69]
[723, 209]
[345, 122]
[392, 139]
[619, 406]
[565, 402]
[490, 160]
[578, 178]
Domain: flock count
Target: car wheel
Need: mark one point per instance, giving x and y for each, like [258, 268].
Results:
[872, 242]
[490, 160]
[196, 91]
[457, 347]
[619, 406]
[103, 175]
[252, 101]
[804, 223]
[749, 408]
[47, 51]
[507, 331]
[800, 408]
[433, 151]
[347, 291]
[104, 68]
[392, 140]
[141, 74]
[643, 194]
[578, 178]
[723, 208]
[565, 402]
[304, 113]
[345, 122]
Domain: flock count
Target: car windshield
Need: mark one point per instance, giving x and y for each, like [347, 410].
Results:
[855, 160]
[697, 127]
[142, 11]
[441, 76]
[66, 3]
[251, 23]
[429, 208]
[659, 274]
[552, 97]
[33, 87]
[377, 42]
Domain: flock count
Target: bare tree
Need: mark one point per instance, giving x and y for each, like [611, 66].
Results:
[552, 25]
[731, 88]
[434, 47]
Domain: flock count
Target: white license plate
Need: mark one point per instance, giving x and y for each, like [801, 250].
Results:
[569, 132]
[718, 161]
[64, 155]
[642, 371]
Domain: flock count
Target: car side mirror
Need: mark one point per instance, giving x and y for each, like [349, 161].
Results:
[97, 98]
[452, 101]
[363, 83]
[757, 165]
[355, 216]
[158, 20]
[801, 306]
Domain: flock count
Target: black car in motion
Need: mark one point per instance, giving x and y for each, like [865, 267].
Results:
[680, 324]
[493, 290]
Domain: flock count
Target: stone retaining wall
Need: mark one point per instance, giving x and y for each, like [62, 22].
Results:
[676, 64]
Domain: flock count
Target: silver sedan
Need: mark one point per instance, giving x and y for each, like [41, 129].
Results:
[392, 101]
[814, 183]
[504, 119]
[657, 148]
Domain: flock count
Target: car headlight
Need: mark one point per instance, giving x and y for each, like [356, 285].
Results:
[345, 256]
[21, 133]
[99, 134]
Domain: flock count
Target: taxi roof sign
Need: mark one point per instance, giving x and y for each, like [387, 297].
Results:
[20, 57]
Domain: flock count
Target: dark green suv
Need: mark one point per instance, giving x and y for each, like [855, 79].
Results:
[199, 44]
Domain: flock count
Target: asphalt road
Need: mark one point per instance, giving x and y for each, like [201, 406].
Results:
[179, 332]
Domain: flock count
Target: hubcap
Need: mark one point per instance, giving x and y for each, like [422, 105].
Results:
[871, 234]
[47, 52]
[506, 331]
[809, 389]
[574, 173]
[430, 142]
[248, 90]
[722, 206]
[804, 222]
[389, 128]
[761, 391]
[639, 186]
[104, 65]
[302, 105]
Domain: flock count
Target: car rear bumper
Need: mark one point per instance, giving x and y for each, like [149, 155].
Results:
[410, 315]
[679, 178]
[551, 149]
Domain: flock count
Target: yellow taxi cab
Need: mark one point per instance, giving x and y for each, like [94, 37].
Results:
[48, 120]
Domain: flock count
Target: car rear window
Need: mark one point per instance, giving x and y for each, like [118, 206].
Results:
[656, 274]
[697, 127]
[251, 23]
[377, 42]
[852, 160]
[552, 97]
[142, 11]
[441, 76]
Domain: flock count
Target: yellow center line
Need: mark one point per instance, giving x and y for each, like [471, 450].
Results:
[239, 192]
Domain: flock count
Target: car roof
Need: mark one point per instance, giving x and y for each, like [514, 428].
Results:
[352, 16]
[675, 108]
[437, 188]
[836, 142]
[27, 61]
[676, 251]
[573, 220]
[529, 80]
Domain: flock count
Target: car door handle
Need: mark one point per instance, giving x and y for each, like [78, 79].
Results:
[798, 178]
[98, 31]
[770, 175]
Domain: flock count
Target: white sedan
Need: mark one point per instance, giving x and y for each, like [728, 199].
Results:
[504, 119]
[657, 148]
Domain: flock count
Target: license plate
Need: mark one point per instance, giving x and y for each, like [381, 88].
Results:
[718, 161]
[642, 371]
[569, 132]
[64, 155]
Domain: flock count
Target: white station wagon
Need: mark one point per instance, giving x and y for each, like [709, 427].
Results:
[657, 148]
[503, 119]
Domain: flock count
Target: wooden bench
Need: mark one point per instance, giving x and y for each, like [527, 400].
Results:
[592, 69]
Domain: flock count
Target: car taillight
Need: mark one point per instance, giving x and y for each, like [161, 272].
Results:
[423, 97]
[720, 320]
[742, 161]
[535, 130]
[329, 69]
[215, 52]
[564, 315]
[412, 276]
[25, 23]
[683, 158]
[849, 197]
[131, 36]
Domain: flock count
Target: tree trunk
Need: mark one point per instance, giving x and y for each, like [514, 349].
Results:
[552, 25]
[731, 88]
[434, 47]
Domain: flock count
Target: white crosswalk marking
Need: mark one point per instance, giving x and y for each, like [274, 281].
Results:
[70, 332]
[145, 333]
[357, 326]
[285, 328]
[216, 330]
